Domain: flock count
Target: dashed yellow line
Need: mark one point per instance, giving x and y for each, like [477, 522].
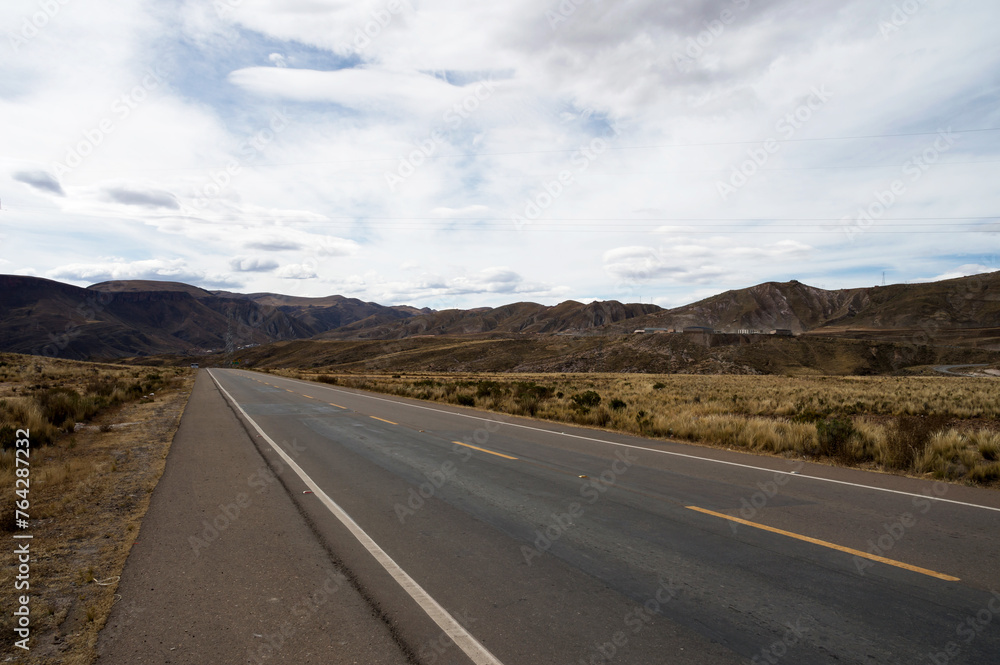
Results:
[841, 548]
[337, 405]
[383, 420]
[483, 450]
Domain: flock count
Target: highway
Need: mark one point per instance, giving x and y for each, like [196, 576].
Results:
[491, 539]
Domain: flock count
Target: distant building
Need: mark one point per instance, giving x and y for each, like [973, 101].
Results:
[698, 329]
[749, 331]
[782, 332]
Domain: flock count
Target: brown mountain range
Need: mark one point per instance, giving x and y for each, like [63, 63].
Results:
[130, 318]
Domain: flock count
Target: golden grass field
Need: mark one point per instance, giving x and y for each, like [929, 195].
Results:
[946, 427]
[90, 485]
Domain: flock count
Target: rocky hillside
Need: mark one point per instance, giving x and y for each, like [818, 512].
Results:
[967, 302]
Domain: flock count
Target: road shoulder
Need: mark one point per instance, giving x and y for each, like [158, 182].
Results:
[225, 569]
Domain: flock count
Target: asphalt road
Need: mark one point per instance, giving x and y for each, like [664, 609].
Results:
[948, 369]
[482, 538]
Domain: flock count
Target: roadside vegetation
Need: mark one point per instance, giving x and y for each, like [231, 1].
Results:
[945, 427]
[99, 435]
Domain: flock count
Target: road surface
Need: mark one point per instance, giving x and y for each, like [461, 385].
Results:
[474, 537]
[948, 369]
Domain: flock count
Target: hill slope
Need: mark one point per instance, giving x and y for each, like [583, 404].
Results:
[522, 317]
[130, 318]
[44, 317]
[966, 302]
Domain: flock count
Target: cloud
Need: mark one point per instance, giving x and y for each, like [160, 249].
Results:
[965, 270]
[40, 180]
[173, 270]
[361, 98]
[274, 245]
[644, 264]
[297, 271]
[149, 198]
[361, 87]
[252, 264]
[467, 211]
[297, 240]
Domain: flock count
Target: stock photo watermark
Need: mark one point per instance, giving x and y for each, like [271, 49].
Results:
[121, 108]
[695, 47]
[749, 507]
[912, 170]
[894, 531]
[228, 514]
[436, 479]
[31, 26]
[379, 20]
[304, 609]
[590, 491]
[967, 631]
[88, 311]
[432, 650]
[248, 150]
[758, 155]
[550, 189]
[900, 16]
[635, 621]
[426, 148]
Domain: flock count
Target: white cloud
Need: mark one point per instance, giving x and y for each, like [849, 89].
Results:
[268, 131]
[252, 264]
[361, 88]
[174, 270]
[297, 271]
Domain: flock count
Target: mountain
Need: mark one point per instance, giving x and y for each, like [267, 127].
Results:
[133, 317]
[966, 302]
[119, 319]
[522, 317]
[326, 313]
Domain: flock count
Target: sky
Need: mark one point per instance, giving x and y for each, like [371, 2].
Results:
[452, 154]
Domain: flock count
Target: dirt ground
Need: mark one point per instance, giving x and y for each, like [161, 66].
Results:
[88, 493]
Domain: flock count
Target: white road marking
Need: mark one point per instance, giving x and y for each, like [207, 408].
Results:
[652, 450]
[452, 628]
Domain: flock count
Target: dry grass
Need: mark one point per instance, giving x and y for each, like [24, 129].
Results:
[891, 423]
[89, 489]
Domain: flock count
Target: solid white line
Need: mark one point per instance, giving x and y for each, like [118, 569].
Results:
[452, 628]
[652, 450]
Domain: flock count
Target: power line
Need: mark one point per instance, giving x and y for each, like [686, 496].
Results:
[577, 149]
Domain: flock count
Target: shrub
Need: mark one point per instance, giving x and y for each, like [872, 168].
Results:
[659, 386]
[907, 439]
[465, 400]
[490, 389]
[988, 443]
[617, 404]
[327, 378]
[586, 400]
[947, 455]
[985, 473]
[833, 435]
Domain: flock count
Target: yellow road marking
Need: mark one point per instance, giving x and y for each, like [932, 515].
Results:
[289, 390]
[816, 541]
[336, 405]
[483, 450]
[383, 420]
[308, 397]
